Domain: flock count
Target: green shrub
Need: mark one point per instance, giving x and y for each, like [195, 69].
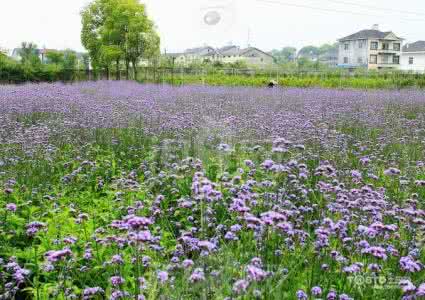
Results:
[16, 72]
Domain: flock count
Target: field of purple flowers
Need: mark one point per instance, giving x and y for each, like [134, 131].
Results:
[117, 190]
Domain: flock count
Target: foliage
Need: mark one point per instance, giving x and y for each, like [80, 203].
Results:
[29, 53]
[118, 30]
[286, 54]
[325, 48]
[17, 72]
[309, 51]
[55, 57]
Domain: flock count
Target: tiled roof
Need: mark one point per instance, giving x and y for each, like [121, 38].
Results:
[229, 50]
[224, 51]
[243, 51]
[418, 46]
[367, 34]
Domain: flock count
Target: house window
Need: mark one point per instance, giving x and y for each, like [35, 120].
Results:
[396, 60]
[345, 60]
[374, 46]
[396, 46]
[411, 60]
[346, 46]
[360, 60]
[385, 46]
[386, 59]
[361, 43]
[374, 59]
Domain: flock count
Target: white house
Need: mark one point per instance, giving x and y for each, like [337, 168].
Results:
[200, 54]
[413, 57]
[371, 49]
[16, 53]
[251, 56]
[230, 54]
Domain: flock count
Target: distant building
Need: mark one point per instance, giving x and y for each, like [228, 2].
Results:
[329, 58]
[194, 55]
[371, 49]
[413, 57]
[230, 54]
[251, 56]
[41, 53]
[17, 53]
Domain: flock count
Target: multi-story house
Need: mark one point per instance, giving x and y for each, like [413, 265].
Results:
[413, 57]
[371, 49]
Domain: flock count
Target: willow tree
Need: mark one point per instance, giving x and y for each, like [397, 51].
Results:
[118, 24]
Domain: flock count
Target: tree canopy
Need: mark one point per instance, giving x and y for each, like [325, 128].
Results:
[55, 57]
[118, 31]
[286, 54]
[29, 54]
[309, 51]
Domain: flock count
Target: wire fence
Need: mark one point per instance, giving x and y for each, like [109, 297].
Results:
[159, 74]
[202, 75]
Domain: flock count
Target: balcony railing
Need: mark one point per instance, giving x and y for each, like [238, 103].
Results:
[388, 63]
[388, 50]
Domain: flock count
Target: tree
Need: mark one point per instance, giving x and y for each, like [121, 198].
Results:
[118, 29]
[148, 47]
[55, 57]
[286, 54]
[289, 53]
[3, 53]
[92, 19]
[29, 53]
[69, 64]
[310, 52]
[86, 62]
[110, 54]
[141, 39]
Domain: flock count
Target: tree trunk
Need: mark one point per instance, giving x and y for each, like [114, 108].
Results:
[127, 69]
[135, 69]
[118, 70]
[107, 73]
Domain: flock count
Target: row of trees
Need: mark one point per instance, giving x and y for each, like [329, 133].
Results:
[118, 32]
[290, 54]
[34, 65]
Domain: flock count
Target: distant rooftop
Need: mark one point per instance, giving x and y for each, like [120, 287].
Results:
[231, 50]
[418, 46]
[199, 49]
[368, 34]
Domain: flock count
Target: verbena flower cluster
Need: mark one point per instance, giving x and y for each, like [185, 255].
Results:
[116, 190]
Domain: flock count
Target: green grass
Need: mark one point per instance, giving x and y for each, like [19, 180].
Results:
[300, 81]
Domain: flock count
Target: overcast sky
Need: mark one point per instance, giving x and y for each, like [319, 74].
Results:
[182, 23]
